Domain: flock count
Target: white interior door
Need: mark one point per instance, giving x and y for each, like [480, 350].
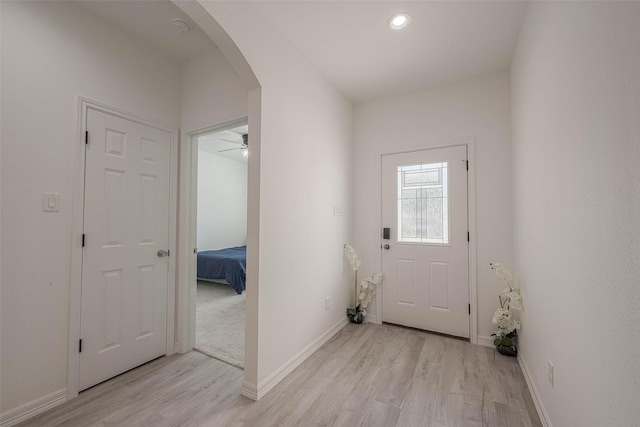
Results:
[125, 263]
[425, 260]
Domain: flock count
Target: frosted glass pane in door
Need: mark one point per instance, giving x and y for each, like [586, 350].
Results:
[423, 203]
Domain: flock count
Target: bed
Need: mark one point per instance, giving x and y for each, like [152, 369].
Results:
[228, 264]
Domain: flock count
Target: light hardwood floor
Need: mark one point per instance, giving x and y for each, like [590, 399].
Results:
[369, 375]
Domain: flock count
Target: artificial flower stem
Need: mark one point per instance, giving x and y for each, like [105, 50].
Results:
[355, 291]
[510, 288]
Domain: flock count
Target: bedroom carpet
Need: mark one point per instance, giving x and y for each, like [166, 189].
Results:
[220, 314]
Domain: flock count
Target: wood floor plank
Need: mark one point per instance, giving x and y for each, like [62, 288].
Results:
[380, 414]
[325, 409]
[352, 411]
[395, 382]
[369, 375]
[307, 383]
[419, 403]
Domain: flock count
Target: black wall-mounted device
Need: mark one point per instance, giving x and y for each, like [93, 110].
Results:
[386, 233]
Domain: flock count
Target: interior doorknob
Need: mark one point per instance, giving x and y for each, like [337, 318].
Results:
[163, 253]
[386, 247]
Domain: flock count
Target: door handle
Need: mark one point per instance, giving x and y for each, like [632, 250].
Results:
[386, 247]
[162, 253]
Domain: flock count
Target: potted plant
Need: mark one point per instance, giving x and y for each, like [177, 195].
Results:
[367, 291]
[507, 325]
[361, 296]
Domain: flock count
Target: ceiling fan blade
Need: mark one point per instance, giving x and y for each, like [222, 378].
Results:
[228, 140]
[229, 149]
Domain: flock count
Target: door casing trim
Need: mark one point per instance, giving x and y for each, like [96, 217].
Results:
[77, 226]
[186, 314]
[470, 144]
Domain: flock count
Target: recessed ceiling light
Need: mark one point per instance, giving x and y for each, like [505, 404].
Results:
[399, 20]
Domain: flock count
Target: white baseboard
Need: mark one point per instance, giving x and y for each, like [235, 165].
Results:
[371, 318]
[537, 400]
[33, 408]
[486, 341]
[249, 390]
[257, 392]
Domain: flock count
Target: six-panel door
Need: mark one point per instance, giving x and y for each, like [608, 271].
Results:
[126, 224]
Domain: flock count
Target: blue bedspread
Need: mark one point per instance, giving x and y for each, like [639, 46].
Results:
[228, 264]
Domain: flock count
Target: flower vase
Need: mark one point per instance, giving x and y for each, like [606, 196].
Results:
[355, 315]
[507, 350]
[507, 345]
[358, 318]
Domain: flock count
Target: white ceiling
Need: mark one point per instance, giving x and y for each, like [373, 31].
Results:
[350, 42]
[230, 140]
[152, 21]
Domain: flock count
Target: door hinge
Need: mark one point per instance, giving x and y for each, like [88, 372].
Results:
[80, 346]
[469, 308]
[86, 137]
[468, 237]
[467, 164]
[83, 240]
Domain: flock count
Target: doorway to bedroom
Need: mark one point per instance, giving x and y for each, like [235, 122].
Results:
[221, 231]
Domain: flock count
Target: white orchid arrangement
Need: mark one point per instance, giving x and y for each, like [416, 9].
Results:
[368, 290]
[352, 257]
[354, 260]
[362, 296]
[508, 299]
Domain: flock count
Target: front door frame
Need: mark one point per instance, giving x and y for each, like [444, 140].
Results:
[77, 227]
[471, 218]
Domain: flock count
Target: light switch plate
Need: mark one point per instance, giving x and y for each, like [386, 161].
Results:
[337, 210]
[50, 202]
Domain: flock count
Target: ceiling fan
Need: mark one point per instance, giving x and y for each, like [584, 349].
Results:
[244, 145]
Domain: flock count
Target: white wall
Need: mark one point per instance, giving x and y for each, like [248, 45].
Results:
[477, 108]
[304, 152]
[211, 92]
[222, 202]
[52, 52]
[576, 204]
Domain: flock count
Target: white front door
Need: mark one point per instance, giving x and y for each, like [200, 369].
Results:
[425, 259]
[126, 228]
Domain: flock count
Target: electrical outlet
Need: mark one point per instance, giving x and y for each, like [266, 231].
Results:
[550, 373]
[327, 303]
